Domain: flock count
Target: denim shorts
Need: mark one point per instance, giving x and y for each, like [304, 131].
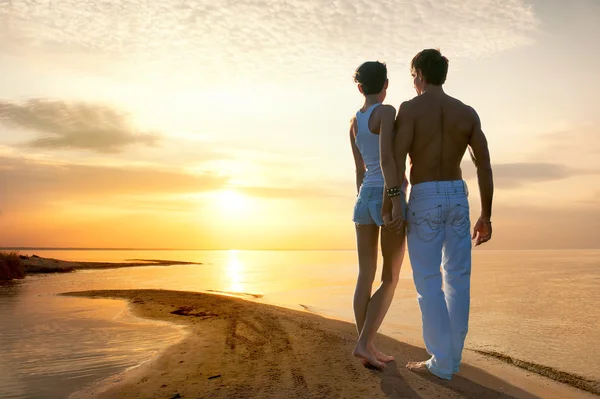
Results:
[367, 209]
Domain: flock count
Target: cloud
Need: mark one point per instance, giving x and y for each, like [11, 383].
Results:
[542, 227]
[514, 175]
[61, 125]
[281, 192]
[27, 178]
[593, 200]
[254, 38]
[33, 183]
[578, 144]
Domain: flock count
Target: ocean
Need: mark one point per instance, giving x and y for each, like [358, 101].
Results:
[536, 306]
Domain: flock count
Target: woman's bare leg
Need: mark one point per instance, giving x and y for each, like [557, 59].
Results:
[367, 237]
[392, 247]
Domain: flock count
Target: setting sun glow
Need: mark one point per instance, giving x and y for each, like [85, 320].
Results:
[232, 200]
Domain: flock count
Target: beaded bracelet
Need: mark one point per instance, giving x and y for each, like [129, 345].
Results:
[394, 191]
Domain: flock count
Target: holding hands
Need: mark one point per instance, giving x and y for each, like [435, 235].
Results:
[392, 213]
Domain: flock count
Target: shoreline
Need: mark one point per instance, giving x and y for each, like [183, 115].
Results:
[101, 385]
[570, 379]
[234, 346]
[38, 265]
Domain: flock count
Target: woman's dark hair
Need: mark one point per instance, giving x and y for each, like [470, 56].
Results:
[371, 76]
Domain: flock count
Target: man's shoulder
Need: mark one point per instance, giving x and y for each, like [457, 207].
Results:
[408, 107]
[460, 104]
[412, 102]
[470, 112]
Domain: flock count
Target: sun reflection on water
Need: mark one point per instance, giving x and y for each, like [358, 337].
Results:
[234, 271]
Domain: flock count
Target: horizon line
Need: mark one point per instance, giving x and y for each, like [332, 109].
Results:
[247, 249]
[168, 249]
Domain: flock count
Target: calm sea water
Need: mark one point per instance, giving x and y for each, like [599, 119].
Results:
[539, 306]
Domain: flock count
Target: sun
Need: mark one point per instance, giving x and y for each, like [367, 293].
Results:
[232, 200]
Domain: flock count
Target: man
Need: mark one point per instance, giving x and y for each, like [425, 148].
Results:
[436, 130]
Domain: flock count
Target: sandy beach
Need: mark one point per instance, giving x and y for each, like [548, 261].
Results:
[238, 348]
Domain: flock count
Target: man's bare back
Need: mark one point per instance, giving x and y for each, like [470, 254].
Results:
[443, 129]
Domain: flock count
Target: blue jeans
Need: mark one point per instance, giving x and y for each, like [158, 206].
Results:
[439, 237]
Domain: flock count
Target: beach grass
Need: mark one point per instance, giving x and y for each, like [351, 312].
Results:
[11, 266]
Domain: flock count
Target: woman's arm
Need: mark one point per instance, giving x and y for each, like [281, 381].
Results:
[358, 161]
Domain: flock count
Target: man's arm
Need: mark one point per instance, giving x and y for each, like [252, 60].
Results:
[386, 147]
[386, 151]
[404, 128]
[405, 133]
[480, 154]
[358, 161]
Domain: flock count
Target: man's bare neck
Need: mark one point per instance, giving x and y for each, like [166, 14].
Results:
[433, 90]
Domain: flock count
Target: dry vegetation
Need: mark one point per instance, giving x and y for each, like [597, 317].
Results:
[11, 266]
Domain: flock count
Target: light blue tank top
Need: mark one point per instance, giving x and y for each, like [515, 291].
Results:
[368, 145]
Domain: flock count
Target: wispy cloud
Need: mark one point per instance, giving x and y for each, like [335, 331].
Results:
[545, 227]
[32, 181]
[593, 200]
[288, 37]
[25, 178]
[578, 144]
[291, 193]
[61, 125]
[514, 175]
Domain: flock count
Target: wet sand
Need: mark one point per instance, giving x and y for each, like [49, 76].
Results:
[239, 348]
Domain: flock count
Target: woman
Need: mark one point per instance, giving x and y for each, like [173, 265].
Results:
[373, 126]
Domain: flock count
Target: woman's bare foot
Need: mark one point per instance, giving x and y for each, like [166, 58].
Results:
[382, 357]
[367, 356]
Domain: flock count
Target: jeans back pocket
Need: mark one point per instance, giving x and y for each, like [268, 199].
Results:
[460, 220]
[426, 223]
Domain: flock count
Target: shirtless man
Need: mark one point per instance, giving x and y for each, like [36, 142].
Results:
[436, 130]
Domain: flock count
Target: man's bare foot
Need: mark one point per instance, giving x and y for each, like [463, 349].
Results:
[422, 366]
[382, 357]
[417, 366]
[367, 357]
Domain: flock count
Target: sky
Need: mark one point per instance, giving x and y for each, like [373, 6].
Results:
[224, 125]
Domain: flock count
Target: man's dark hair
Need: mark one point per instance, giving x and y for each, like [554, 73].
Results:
[371, 76]
[432, 64]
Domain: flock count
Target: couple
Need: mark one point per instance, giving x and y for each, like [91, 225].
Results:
[435, 130]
